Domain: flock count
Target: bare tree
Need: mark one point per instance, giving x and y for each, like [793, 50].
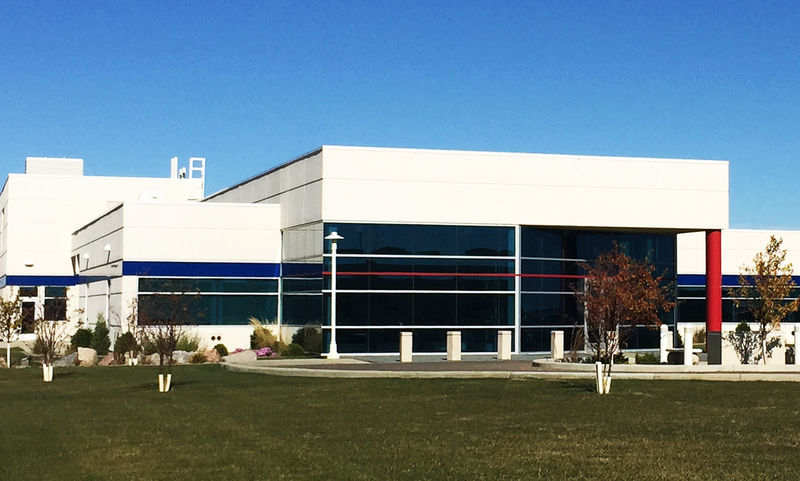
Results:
[765, 290]
[51, 336]
[162, 319]
[618, 294]
[10, 321]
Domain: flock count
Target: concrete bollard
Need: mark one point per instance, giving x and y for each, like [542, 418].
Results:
[797, 344]
[665, 343]
[406, 340]
[504, 345]
[557, 344]
[453, 345]
[688, 334]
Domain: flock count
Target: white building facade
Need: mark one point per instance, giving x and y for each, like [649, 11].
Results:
[434, 241]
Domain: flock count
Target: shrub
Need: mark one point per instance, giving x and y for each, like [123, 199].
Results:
[17, 355]
[261, 337]
[647, 358]
[81, 338]
[280, 348]
[100, 340]
[310, 338]
[789, 355]
[198, 358]
[149, 346]
[744, 342]
[187, 343]
[221, 350]
[126, 342]
[38, 346]
[699, 337]
[295, 350]
[620, 358]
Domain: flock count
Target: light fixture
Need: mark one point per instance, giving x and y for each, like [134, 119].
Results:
[107, 248]
[29, 263]
[334, 237]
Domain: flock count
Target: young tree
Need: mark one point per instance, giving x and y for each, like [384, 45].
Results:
[162, 319]
[10, 321]
[50, 335]
[618, 294]
[765, 290]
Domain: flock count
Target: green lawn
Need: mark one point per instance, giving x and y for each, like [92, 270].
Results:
[112, 424]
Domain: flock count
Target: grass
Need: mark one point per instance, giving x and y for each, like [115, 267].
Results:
[17, 354]
[112, 424]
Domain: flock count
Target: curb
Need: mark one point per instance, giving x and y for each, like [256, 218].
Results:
[643, 376]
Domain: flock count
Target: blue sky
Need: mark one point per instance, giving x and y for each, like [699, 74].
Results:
[127, 85]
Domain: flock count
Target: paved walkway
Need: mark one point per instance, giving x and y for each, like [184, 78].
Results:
[484, 367]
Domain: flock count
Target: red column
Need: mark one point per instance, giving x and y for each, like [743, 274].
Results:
[714, 296]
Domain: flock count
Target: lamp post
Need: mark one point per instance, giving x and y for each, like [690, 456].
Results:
[334, 237]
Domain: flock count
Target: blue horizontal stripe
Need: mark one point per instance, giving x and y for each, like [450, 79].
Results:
[297, 269]
[39, 281]
[727, 280]
[204, 269]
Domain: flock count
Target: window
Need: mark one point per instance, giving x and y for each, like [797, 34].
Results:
[209, 301]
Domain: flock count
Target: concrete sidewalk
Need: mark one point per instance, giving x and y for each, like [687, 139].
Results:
[516, 369]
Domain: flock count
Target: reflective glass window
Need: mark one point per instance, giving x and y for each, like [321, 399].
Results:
[408, 239]
[302, 285]
[538, 339]
[428, 340]
[550, 275]
[351, 309]
[28, 317]
[484, 281]
[390, 309]
[28, 291]
[485, 309]
[435, 309]
[435, 240]
[300, 310]
[549, 310]
[391, 273]
[480, 340]
[541, 243]
[437, 282]
[157, 284]
[485, 241]
[55, 291]
[55, 309]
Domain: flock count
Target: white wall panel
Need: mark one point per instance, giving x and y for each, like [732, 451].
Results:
[192, 232]
[402, 185]
[296, 186]
[44, 210]
[739, 246]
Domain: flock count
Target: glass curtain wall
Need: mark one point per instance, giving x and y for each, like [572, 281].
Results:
[691, 303]
[551, 271]
[427, 279]
[212, 301]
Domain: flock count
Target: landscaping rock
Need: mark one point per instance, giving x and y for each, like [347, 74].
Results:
[3, 362]
[66, 361]
[181, 357]
[152, 359]
[212, 356]
[244, 356]
[107, 360]
[87, 356]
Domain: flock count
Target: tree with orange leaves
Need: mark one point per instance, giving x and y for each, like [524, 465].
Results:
[618, 294]
[765, 290]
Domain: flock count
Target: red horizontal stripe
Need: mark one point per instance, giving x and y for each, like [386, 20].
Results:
[455, 274]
